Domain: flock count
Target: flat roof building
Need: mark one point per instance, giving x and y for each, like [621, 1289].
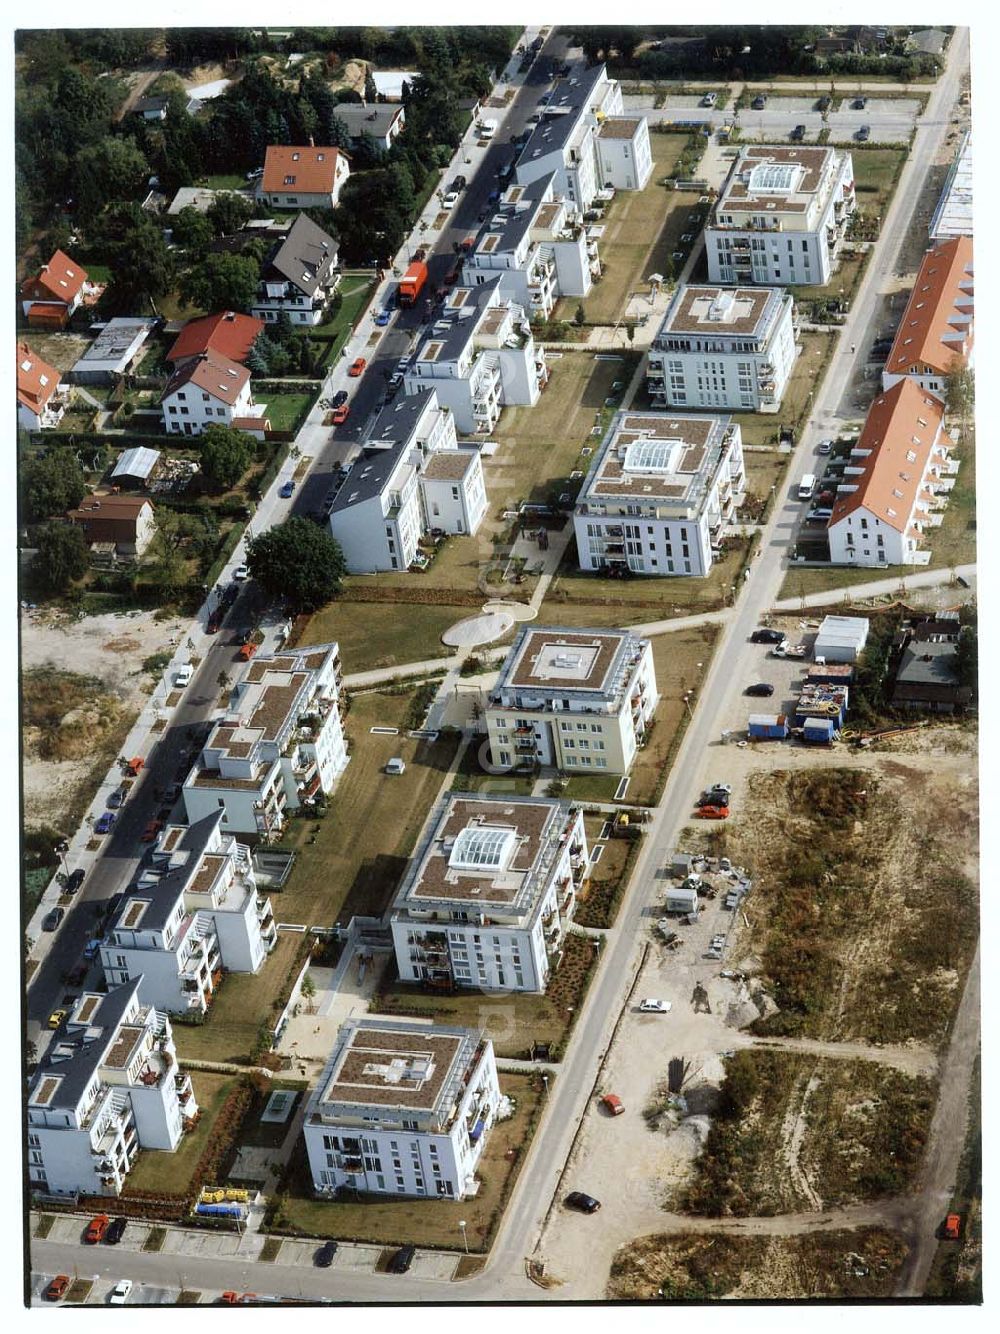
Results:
[488, 894]
[660, 491]
[953, 215]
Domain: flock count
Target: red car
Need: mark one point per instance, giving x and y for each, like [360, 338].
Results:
[56, 1290]
[151, 831]
[341, 414]
[953, 1227]
[96, 1229]
[357, 366]
[712, 813]
[612, 1104]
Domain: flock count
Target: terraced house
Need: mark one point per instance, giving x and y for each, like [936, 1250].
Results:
[936, 335]
[279, 744]
[579, 700]
[659, 494]
[194, 911]
[723, 347]
[781, 215]
[488, 895]
[402, 1109]
[107, 1087]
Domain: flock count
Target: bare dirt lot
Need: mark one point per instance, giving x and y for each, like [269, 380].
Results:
[860, 1263]
[84, 685]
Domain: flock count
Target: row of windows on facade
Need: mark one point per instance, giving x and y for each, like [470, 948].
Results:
[597, 761]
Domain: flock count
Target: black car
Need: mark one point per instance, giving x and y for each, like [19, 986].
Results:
[864, 134]
[323, 1258]
[459, 183]
[759, 103]
[402, 1260]
[585, 1204]
[761, 688]
[76, 879]
[798, 134]
[859, 103]
[339, 397]
[115, 1232]
[767, 636]
[52, 919]
[824, 104]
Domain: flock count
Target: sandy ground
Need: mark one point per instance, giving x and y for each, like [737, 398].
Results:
[111, 648]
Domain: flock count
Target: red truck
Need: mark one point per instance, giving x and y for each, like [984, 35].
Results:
[412, 282]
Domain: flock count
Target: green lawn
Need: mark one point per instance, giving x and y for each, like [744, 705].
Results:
[242, 1004]
[810, 365]
[470, 777]
[362, 844]
[223, 182]
[382, 634]
[641, 231]
[354, 289]
[428, 1222]
[283, 409]
[876, 171]
[157, 1171]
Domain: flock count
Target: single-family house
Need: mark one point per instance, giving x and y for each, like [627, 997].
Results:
[303, 176]
[151, 108]
[927, 678]
[41, 398]
[125, 521]
[229, 334]
[299, 275]
[381, 121]
[50, 296]
[211, 390]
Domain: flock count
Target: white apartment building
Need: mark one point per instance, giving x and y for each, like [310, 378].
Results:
[194, 911]
[409, 478]
[723, 347]
[578, 700]
[896, 482]
[488, 895]
[953, 214]
[402, 1108]
[107, 1087]
[479, 356]
[936, 335]
[535, 244]
[211, 390]
[660, 492]
[279, 744]
[570, 141]
[781, 216]
[299, 275]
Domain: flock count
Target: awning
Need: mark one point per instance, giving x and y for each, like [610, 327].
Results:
[476, 1132]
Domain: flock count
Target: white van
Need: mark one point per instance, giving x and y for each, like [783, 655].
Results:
[395, 766]
[807, 486]
[183, 675]
[487, 129]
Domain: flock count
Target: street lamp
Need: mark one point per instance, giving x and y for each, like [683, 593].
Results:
[465, 1237]
[545, 1082]
[687, 704]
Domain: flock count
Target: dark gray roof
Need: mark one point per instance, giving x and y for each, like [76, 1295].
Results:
[77, 1050]
[511, 221]
[151, 104]
[170, 883]
[562, 114]
[456, 325]
[305, 257]
[394, 426]
[928, 664]
[375, 120]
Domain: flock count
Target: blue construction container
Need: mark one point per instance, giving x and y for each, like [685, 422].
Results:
[818, 731]
[222, 1210]
[767, 726]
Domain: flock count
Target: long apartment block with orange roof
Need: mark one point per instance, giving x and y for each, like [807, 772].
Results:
[895, 483]
[936, 334]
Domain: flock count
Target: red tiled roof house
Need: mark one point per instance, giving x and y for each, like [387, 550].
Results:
[40, 404]
[211, 390]
[303, 177]
[229, 333]
[936, 334]
[50, 297]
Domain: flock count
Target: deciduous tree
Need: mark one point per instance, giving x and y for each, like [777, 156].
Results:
[298, 561]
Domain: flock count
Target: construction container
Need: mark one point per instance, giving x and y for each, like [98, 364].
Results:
[830, 674]
[767, 726]
[818, 731]
[681, 900]
[680, 863]
[817, 701]
[841, 638]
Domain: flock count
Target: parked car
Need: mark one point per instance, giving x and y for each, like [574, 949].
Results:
[383, 318]
[150, 832]
[612, 1104]
[105, 823]
[952, 1229]
[76, 879]
[241, 572]
[713, 813]
[713, 797]
[825, 447]
[339, 397]
[402, 1260]
[357, 367]
[767, 636]
[759, 102]
[650, 1006]
[459, 183]
[96, 1229]
[341, 414]
[798, 134]
[120, 1292]
[450, 199]
[51, 920]
[583, 1203]
[762, 688]
[824, 104]
[859, 103]
[56, 1018]
[820, 514]
[115, 1232]
[709, 100]
[396, 766]
[864, 134]
[117, 798]
[57, 1289]
[323, 1258]
[287, 489]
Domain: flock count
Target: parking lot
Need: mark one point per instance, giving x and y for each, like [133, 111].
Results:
[889, 120]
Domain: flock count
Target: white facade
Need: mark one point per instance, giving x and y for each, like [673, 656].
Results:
[279, 744]
[661, 491]
[479, 357]
[580, 701]
[299, 275]
[409, 478]
[211, 390]
[723, 347]
[623, 152]
[194, 911]
[303, 176]
[489, 893]
[402, 1109]
[781, 216]
[107, 1087]
[535, 244]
